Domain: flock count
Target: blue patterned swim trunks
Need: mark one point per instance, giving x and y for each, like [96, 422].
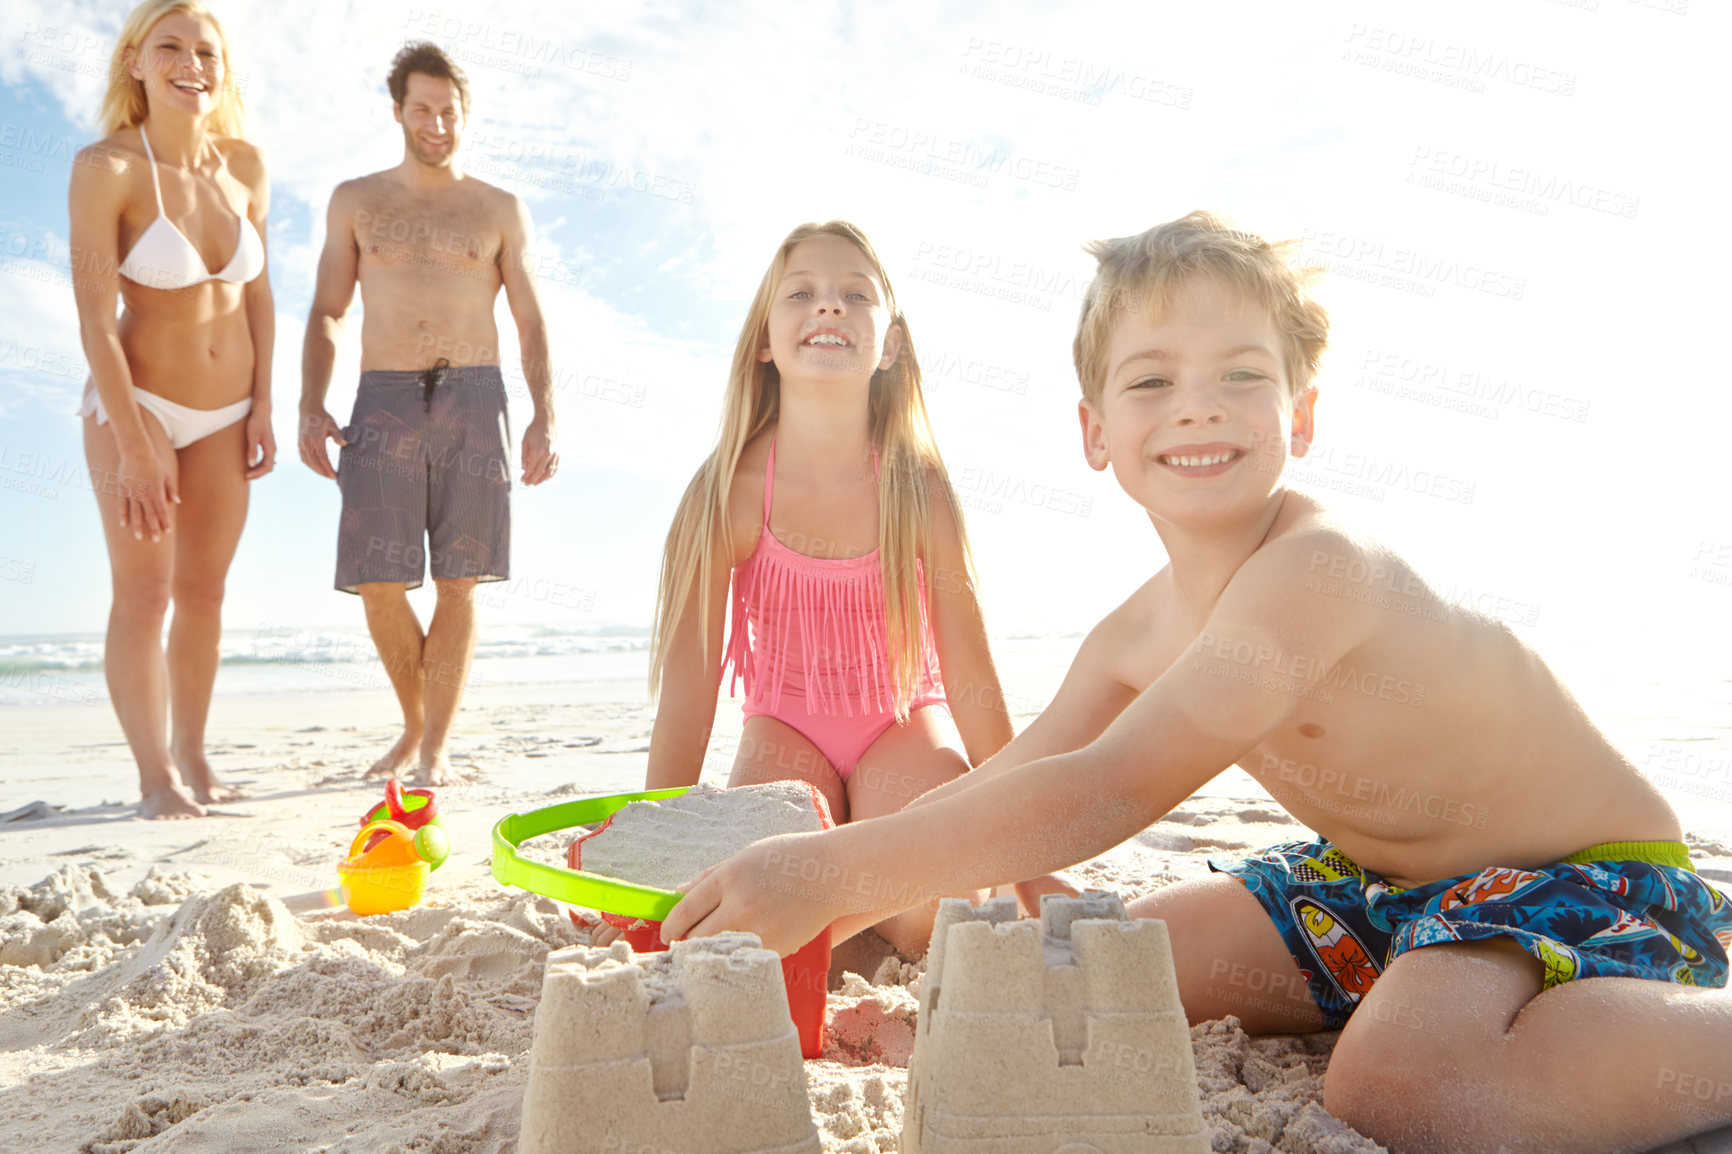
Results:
[1621, 909]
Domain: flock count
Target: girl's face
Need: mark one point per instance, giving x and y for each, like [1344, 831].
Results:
[828, 318]
[180, 62]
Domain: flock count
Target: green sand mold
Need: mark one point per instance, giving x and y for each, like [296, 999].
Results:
[577, 887]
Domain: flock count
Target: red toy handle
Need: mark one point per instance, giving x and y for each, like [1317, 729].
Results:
[394, 798]
[393, 808]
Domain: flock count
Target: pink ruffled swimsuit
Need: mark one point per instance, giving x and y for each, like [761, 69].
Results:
[810, 638]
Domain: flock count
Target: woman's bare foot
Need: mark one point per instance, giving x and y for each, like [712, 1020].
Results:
[169, 800]
[401, 756]
[437, 772]
[197, 773]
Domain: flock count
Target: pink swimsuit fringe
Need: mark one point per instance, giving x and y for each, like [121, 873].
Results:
[785, 602]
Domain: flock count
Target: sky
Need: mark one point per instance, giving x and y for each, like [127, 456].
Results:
[1516, 202]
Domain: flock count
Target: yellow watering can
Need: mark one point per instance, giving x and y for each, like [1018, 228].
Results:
[387, 875]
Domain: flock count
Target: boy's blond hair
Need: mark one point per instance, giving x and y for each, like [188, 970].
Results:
[1143, 272]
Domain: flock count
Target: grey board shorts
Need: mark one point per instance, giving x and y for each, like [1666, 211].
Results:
[425, 478]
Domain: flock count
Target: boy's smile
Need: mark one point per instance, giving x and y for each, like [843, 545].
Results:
[1196, 415]
[1201, 460]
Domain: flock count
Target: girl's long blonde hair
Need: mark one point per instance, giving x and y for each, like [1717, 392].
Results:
[909, 464]
[124, 104]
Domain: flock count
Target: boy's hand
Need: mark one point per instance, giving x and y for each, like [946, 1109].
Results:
[766, 889]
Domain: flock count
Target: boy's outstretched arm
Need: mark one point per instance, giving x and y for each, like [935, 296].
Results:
[1087, 701]
[1205, 712]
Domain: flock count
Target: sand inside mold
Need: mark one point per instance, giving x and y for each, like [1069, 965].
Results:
[668, 843]
[180, 1015]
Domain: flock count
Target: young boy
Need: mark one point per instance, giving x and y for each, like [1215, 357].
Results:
[1467, 805]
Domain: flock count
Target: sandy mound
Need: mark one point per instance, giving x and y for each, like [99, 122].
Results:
[170, 1020]
[227, 1023]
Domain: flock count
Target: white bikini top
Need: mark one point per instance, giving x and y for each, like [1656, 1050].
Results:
[163, 258]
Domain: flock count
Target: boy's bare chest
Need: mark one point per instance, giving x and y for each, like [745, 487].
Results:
[1332, 753]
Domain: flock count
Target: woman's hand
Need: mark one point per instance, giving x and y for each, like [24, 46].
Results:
[147, 487]
[782, 888]
[261, 444]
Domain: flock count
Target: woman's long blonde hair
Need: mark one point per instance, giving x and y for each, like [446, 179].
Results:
[124, 104]
[908, 459]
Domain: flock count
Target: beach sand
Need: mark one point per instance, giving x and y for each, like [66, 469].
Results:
[182, 986]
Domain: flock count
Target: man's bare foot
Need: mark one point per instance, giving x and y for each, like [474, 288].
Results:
[197, 773]
[170, 800]
[400, 758]
[437, 772]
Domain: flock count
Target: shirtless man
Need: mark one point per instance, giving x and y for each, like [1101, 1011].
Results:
[1496, 910]
[424, 458]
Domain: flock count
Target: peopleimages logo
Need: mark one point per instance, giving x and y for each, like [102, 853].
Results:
[1362, 258]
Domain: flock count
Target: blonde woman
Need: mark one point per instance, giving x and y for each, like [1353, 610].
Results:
[168, 216]
[854, 618]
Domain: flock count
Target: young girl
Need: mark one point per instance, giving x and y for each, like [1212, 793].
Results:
[854, 619]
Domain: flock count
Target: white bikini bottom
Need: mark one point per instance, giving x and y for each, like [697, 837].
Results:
[184, 425]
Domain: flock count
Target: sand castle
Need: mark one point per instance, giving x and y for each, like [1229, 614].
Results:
[687, 1050]
[1062, 1036]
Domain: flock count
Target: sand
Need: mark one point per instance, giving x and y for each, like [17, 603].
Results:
[179, 987]
[667, 843]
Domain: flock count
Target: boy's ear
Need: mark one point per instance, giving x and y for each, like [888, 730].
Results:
[1304, 423]
[892, 346]
[397, 111]
[1094, 435]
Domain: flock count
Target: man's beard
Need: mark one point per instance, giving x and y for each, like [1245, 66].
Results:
[419, 151]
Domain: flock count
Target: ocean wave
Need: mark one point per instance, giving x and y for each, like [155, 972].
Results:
[289, 645]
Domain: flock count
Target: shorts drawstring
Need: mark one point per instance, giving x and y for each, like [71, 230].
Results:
[430, 379]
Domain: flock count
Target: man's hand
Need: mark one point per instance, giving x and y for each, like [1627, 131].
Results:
[315, 428]
[261, 455]
[540, 461]
[777, 888]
